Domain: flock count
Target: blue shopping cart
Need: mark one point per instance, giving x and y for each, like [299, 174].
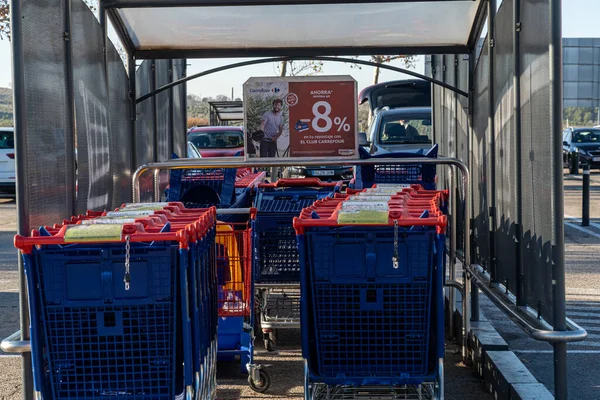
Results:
[235, 300]
[276, 261]
[109, 308]
[372, 305]
[423, 174]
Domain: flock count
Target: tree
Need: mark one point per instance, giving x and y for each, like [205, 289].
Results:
[5, 16]
[297, 68]
[4, 20]
[407, 62]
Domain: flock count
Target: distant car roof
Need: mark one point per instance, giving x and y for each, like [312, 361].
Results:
[7, 129]
[215, 128]
[402, 93]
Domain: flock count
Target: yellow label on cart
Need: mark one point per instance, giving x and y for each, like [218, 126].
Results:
[363, 217]
[93, 233]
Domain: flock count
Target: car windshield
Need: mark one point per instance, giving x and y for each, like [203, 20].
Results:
[591, 136]
[7, 140]
[404, 130]
[216, 139]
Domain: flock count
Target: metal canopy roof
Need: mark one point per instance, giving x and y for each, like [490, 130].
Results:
[225, 111]
[239, 28]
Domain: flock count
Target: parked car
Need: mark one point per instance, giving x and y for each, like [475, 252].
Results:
[585, 141]
[400, 129]
[325, 173]
[397, 94]
[7, 160]
[218, 141]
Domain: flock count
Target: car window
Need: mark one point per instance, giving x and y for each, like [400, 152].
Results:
[371, 129]
[7, 140]
[192, 151]
[217, 139]
[587, 136]
[566, 136]
[396, 129]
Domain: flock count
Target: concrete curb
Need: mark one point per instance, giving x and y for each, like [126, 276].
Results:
[502, 372]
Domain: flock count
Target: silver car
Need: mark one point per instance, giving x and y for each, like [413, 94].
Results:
[406, 129]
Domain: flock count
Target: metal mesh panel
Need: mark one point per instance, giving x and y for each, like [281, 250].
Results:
[94, 179]
[179, 118]
[505, 147]
[163, 119]
[163, 111]
[537, 142]
[144, 136]
[145, 114]
[120, 128]
[480, 157]
[46, 130]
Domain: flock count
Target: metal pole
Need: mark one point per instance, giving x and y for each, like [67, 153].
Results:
[154, 84]
[492, 140]
[556, 112]
[132, 109]
[20, 122]
[470, 141]
[520, 273]
[172, 143]
[452, 261]
[574, 167]
[585, 212]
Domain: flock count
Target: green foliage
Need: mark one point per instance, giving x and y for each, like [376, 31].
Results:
[580, 116]
[6, 113]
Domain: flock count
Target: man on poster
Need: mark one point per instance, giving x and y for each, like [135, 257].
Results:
[272, 126]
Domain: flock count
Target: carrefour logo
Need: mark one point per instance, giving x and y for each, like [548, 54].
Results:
[262, 90]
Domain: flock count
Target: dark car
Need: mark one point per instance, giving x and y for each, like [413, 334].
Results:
[217, 141]
[586, 142]
[405, 129]
[325, 173]
[396, 94]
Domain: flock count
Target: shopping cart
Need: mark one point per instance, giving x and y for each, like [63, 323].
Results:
[220, 187]
[372, 299]
[109, 308]
[235, 282]
[423, 174]
[275, 250]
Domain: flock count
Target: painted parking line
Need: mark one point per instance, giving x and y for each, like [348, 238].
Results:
[578, 220]
[582, 229]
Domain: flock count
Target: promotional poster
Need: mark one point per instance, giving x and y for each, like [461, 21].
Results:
[309, 116]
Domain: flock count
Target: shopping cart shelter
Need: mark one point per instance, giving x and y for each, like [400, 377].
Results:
[93, 120]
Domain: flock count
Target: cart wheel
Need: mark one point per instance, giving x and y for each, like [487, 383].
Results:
[270, 341]
[262, 385]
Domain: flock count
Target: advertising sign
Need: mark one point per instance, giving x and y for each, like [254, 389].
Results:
[310, 116]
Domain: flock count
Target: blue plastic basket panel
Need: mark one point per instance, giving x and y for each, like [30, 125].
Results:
[231, 333]
[401, 174]
[102, 340]
[371, 329]
[288, 201]
[351, 254]
[93, 275]
[122, 352]
[276, 248]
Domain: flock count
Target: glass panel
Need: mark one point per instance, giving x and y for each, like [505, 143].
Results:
[428, 23]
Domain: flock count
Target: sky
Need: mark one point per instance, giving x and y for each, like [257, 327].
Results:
[580, 19]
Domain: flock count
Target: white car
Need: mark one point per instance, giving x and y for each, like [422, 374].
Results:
[7, 160]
